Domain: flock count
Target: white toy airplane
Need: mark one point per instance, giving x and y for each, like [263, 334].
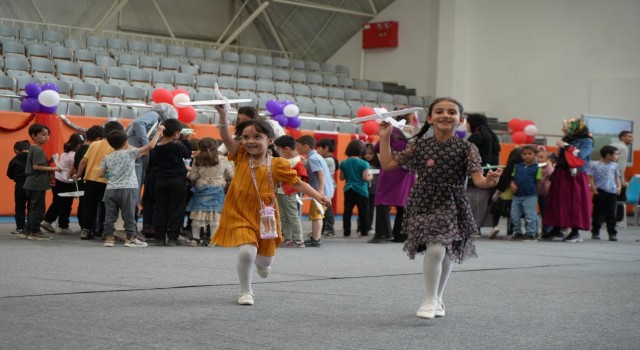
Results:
[382, 114]
[214, 102]
[492, 167]
[221, 100]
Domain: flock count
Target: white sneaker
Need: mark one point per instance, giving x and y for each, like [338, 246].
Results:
[136, 243]
[440, 310]
[263, 271]
[63, 231]
[427, 310]
[245, 299]
[494, 233]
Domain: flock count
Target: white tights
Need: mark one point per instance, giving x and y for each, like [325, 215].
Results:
[213, 226]
[436, 269]
[247, 256]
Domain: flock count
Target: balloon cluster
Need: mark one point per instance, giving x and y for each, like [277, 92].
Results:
[41, 98]
[284, 112]
[369, 127]
[522, 131]
[186, 114]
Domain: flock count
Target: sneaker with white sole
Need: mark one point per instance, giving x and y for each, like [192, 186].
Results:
[440, 310]
[64, 231]
[245, 299]
[494, 233]
[38, 236]
[47, 226]
[135, 243]
[109, 242]
[573, 238]
[427, 310]
[263, 271]
[20, 233]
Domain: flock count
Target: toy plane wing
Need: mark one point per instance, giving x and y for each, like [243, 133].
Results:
[492, 167]
[214, 102]
[383, 115]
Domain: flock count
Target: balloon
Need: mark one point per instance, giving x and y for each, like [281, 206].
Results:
[530, 129]
[51, 86]
[48, 110]
[294, 122]
[281, 119]
[365, 111]
[32, 89]
[180, 98]
[30, 105]
[370, 127]
[162, 96]
[519, 137]
[49, 98]
[527, 122]
[187, 114]
[274, 107]
[515, 124]
[285, 103]
[179, 91]
[290, 110]
[461, 133]
[530, 139]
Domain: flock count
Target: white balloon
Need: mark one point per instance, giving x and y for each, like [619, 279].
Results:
[49, 98]
[530, 130]
[181, 98]
[290, 110]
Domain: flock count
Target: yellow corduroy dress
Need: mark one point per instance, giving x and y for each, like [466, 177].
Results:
[240, 217]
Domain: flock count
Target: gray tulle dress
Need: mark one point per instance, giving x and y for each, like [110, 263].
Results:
[438, 209]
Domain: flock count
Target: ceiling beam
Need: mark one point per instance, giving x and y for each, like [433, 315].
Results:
[373, 7]
[324, 26]
[244, 25]
[115, 8]
[317, 6]
[274, 32]
[164, 20]
[38, 12]
[231, 22]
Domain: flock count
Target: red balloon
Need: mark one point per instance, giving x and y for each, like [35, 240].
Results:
[162, 96]
[179, 91]
[527, 122]
[519, 137]
[187, 114]
[515, 124]
[365, 111]
[530, 139]
[370, 127]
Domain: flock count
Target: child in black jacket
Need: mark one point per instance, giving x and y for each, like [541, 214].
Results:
[16, 172]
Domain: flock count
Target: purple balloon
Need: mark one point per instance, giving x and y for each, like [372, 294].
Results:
[30, 105]
[461, 133]
[285, 102]
[294, 122]
[281, 119]
[51, 86]
[274, 107]
[32, 89]
[49, 110]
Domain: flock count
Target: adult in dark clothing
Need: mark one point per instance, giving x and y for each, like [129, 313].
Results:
[489, 146]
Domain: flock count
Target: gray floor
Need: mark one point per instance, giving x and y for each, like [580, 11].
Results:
[73, 294]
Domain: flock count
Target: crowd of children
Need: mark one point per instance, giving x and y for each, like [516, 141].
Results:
[251, 197]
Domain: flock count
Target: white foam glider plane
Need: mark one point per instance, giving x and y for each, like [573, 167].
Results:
[382, 114]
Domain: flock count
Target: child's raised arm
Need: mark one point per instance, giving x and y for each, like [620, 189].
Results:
[153, 141]
[225, 134]
[386, 159]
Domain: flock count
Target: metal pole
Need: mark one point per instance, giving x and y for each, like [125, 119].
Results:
[244, 25]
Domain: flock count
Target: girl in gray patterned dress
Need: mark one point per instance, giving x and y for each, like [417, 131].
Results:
[438, 219]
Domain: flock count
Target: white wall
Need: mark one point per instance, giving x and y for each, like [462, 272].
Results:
[413, 63]
[543, 60]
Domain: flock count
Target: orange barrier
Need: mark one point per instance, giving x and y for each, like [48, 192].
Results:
[14, 120]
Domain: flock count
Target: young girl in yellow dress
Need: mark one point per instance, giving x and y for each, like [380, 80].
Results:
[257, 169]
